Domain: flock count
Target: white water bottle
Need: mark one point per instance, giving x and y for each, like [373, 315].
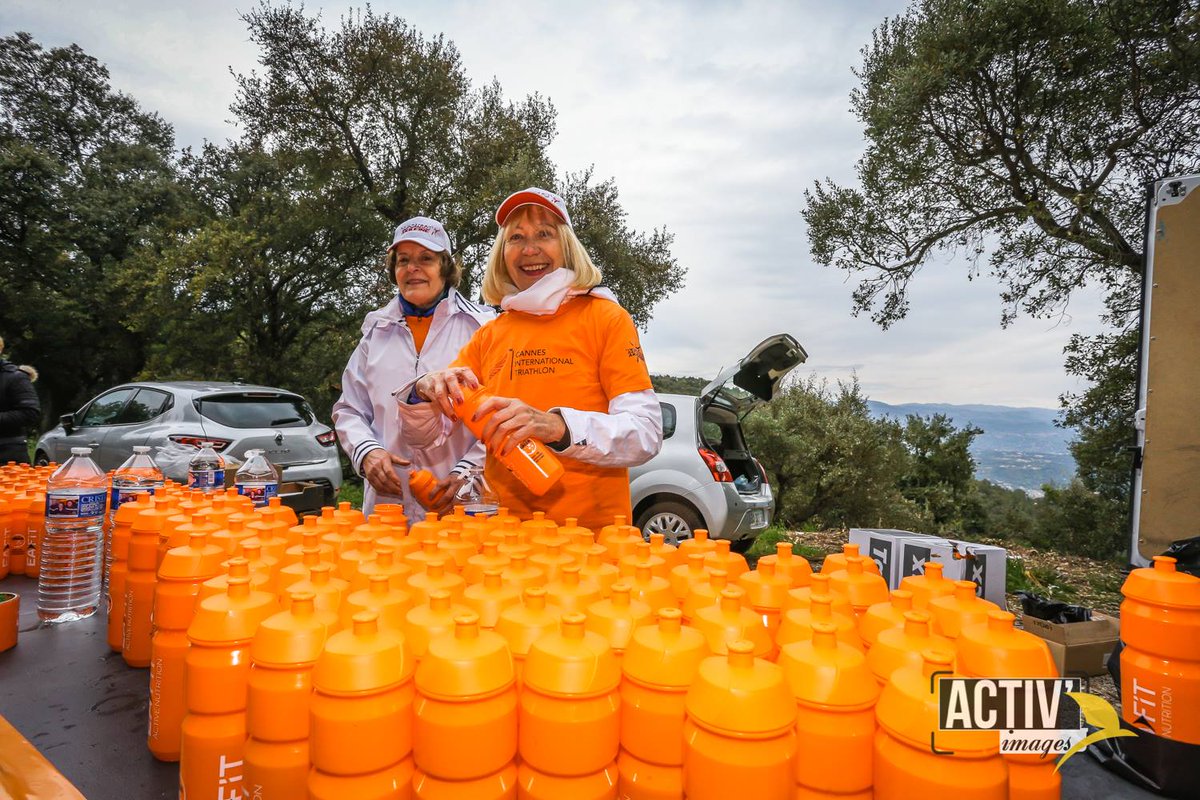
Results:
[138, 476]
[258, 478]
[206, 470]
[73, 547]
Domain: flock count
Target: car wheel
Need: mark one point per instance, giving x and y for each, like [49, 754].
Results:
[674, 521]
[40, 459]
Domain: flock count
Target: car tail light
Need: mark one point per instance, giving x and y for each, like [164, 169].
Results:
[199, 441]
[761, 470]
[716, 465]
[328, 438]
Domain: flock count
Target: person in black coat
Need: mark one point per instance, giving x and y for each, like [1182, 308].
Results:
[19, 410]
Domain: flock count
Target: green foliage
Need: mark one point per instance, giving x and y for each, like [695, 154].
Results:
[121, 258]
[351, 491]
[1075, 519]
[829, 461]
[85, 175]
[993, 510]
[1023, 132]
[1023, 129]
[1037, 579]
[671, 384]
[939, 472]
[399, 116]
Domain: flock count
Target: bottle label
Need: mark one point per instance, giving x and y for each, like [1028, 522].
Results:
[74, 505]
[127, 494]
[260, 493]
[206, 478]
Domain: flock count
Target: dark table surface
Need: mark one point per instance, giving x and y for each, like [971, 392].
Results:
[86, 711]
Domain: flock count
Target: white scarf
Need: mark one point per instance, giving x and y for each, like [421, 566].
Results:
[549, 293]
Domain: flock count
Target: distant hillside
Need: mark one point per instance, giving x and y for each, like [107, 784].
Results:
[675, 384]
[1020, 447]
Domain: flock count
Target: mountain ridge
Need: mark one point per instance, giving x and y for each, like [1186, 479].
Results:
[1020, 448]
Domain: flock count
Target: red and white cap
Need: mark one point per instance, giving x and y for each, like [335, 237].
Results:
[426, 232]
[536, 197]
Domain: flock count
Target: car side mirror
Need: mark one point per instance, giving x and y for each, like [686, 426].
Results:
[68, 422]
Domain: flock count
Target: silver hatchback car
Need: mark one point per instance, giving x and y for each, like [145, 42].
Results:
[234, 417]
[705, 475]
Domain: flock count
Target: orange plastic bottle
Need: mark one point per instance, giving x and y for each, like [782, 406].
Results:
[699, 543]
[649, 588]
[902, 646]
[620, 539]
[996, 649]
[18, 525]
[571, 592]
[425, 530]
[970, 768]
[425, 622]
[1160, 664]
[361, 733]
[530, 461]
[523, 624]
[595, 567]
[797, 623]
[616, 618]
[375, 528]
[386, 564]
[861, 588]
[488, 557]
[285, 649]
[183, 570]
[927, 585]
[465, 717]
[119, 569]
[329, 591]
[818, 585]
[835, 715]
[881, 616]
[739, 735]
[362, 551]
[642, 554]
[728, 621]
[456, 549]
[766, 590]
[667, 552]
[705, 594]
[954, 611]
[734, 564]
[489, 599]
[521, 574]
[789, 565]
[140, 580]
[391, 605]
[4, 557]
[212, 754]
[569, 711]
[434, 576]
[551, 559]
[836, 562]
[659, 665]
[423, 484]
[236, 568]
[35, 530]
[687, 575]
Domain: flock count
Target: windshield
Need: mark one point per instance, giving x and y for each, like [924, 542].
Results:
[257, 411]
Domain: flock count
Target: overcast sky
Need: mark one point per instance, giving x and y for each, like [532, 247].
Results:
[712, 117]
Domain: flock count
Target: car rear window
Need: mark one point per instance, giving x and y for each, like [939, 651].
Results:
[256, 411]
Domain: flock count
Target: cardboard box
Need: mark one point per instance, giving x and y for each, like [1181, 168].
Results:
[883, 545]
[1079, 648]
[983, 564]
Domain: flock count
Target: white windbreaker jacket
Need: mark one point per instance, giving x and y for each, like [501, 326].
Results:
[367, 416]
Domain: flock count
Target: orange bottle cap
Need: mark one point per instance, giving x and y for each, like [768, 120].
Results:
[471, 664]
[363, 659]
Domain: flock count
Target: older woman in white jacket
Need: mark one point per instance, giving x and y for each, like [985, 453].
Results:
[421, 329]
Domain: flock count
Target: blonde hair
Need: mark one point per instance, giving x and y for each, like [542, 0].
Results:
[497, 286]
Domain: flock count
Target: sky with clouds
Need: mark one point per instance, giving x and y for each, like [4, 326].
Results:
[713, 117]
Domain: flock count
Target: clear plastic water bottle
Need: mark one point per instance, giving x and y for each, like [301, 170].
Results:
[73, 547]
[206, 470]
[476, 495]
[138, 476]
[258, 478]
